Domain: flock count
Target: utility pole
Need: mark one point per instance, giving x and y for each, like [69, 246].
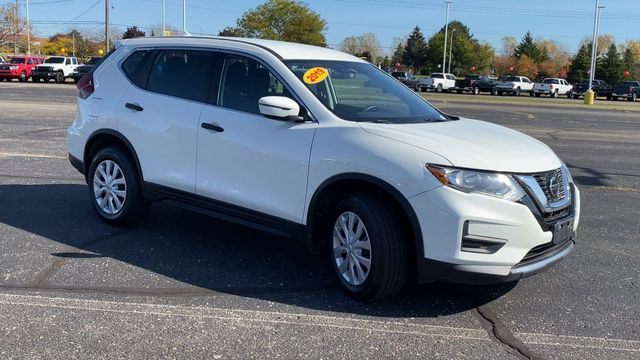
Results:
[453, 31]
[184, 17]
[106, 26]
[164, 18]
[28, 31]
[73, 37]
[16, 19]
[446, 29]
[589, 94]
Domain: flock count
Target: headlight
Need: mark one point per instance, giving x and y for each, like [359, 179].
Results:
[482, 182]
[14, 67]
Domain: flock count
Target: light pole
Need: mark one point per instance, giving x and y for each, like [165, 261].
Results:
[106, 26]
[28, 31]
[164, 18]
[184, 17]
[446, 29]
[453, 31]
[589, 95]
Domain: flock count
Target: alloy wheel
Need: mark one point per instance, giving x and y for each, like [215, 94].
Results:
[352, 248]
[109, 187]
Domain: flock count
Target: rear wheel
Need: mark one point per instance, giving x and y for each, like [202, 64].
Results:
[614, 98]
[517, 93]
[35, 79]
[576, 96]
[459, 91]
[59, 78]
[114, 188]
[554, 94]
[633, 97]
[499, 92]
[368, 250]
[476, 90]
[439, 88]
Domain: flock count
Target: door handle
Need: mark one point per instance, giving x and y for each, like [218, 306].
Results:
[212, 126]
[134, 107]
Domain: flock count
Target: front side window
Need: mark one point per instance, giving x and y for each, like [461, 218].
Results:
[244, 82]
[368, 94]
[16, 61]
[183, 74]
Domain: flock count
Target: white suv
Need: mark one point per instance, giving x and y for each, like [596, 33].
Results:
[270, 135]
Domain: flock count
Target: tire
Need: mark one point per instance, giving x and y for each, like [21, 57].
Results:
[537, 94]
[518, 91]
[387, 253]
[576, 96]
[130, 207]
[494, 92]
[439, 88]
[614, 98]
[35, 79]
[531, 94]
[59, 78]
[554, 94]
[459, 91]
[476, 90]
[633, 97]
[499, 92]
[422, 89]
[23, 76]
[569, 94]
[609, 97]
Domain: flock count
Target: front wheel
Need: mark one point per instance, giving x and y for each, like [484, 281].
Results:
[23, 76]
[114, 188]
[633, 97]
[35, 79]
[368, 249]
[476, 91]
[59, 78]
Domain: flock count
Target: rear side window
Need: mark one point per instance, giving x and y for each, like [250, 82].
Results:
[133, 67]
[183, 74]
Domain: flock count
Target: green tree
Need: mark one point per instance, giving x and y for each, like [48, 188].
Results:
[285, 20]
[133, 32]
[612, 66]
[628, 62]
[466, 52]
[580, 63]
[528, 47]
[415, 52]
[398, 54]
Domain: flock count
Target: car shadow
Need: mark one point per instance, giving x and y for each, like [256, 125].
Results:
[212, 256]
[588, 176]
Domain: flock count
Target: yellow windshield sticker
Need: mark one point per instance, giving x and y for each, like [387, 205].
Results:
[315, 75]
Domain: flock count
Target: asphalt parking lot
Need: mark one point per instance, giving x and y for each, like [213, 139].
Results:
[182, 285]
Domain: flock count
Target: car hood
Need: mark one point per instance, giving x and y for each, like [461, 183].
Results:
[473, 144]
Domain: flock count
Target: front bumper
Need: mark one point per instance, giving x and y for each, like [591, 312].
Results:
[44, 74]
[446, 215]
[10, 73]
[538, 91]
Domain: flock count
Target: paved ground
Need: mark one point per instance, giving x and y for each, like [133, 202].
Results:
[183, 285]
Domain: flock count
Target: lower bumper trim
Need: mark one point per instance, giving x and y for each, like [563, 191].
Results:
[76, 163]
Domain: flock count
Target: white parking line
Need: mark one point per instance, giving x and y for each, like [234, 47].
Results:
[298, 319]
[26, 155]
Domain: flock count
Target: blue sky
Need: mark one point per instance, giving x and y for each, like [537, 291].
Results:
[566, 21]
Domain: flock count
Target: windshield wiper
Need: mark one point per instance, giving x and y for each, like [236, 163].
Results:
[375, 121]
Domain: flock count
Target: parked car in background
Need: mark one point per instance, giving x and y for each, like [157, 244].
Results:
[600, 87]
[438, 81]
[84, 68]
[514, 85]
[19, 67]
[406, 78]
[56, 68]
[626, 89]
[475, 84]
[553, 87]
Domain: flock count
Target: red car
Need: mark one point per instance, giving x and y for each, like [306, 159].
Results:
[19, 67]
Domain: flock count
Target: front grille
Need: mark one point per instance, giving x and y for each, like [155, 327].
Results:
[552, 184]
[4, 67]
[44, 68]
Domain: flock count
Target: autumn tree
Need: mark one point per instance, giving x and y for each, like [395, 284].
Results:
[133, 32]
[365, 46]
[285, 20]
[526, 66]
[12, 26]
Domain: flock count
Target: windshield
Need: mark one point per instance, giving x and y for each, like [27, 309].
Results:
[17, 61]
[361, 92]
[54, 60]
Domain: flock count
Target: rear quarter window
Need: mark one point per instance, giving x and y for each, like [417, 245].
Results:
[134, 66]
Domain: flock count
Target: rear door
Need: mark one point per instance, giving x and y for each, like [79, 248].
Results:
[159, 113]
[245, 158]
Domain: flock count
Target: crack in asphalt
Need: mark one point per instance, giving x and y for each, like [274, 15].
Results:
[499, 332]
[31, 132]
[44, 276]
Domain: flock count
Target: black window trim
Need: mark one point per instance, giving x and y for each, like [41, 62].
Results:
[157, 49]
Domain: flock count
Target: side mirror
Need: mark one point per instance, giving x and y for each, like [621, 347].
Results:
[279, 107]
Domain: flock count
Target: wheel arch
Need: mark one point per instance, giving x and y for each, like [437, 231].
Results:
[99, 139]
[331, 189]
